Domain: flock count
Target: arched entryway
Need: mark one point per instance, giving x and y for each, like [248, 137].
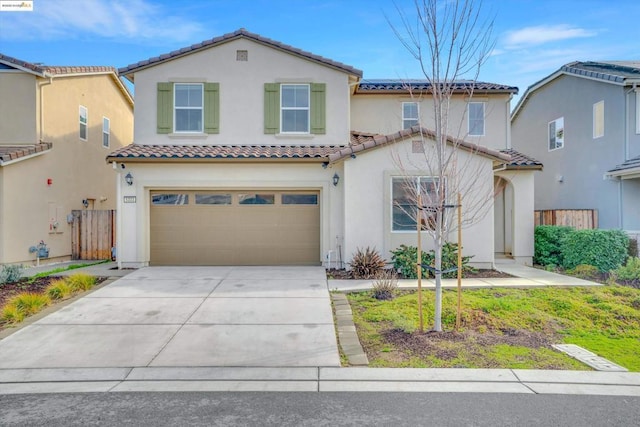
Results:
[503, 214]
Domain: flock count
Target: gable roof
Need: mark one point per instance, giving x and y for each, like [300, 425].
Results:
[380, 86]
[52, 71]
[10, 153]
[366, 142]
[614, 72]
[129, 70]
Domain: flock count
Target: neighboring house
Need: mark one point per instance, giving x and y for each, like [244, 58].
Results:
[249, 151]
[583, 123]
[56, 126]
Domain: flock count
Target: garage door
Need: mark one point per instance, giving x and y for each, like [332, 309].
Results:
[235, 228]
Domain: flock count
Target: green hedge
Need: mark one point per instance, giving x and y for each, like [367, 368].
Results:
[605, 249]
[548, 240]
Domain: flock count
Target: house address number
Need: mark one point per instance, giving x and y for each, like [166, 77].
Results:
[129, 199]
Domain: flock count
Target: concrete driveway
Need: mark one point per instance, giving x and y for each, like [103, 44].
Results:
[187, 316]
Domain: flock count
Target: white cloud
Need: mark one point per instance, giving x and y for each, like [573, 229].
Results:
[541, 34]
[113, 19]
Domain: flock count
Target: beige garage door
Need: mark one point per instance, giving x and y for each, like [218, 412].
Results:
[235, 228]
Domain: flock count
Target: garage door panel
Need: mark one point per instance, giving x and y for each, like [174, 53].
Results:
[236, 234]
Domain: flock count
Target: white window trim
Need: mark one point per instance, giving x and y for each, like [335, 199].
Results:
[86, 124]
[418, 179]
[196, 132]
[417, 118]
[307, 109]
[549, 124]
[108, 132]
[595, 107]
[484, 119]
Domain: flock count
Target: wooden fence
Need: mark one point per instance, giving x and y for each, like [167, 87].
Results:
[93, 234]
[577, 218]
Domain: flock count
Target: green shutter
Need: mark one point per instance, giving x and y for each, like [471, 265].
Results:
[212, 108]
[165, 108]
[271, 108]
[318, 108]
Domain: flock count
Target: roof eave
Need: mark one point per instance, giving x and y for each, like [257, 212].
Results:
[118, 159]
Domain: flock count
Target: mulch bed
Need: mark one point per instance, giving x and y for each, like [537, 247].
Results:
[24, 285]
[343, 274]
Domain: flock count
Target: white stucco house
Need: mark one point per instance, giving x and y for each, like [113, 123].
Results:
[248, 151]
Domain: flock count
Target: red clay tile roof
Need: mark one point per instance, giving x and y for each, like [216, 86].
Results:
[422, 86]
[368, 141]
[521, 161]
[241, 33]
[194, 152]
[57, 69]
[22, 64]
[13, 152]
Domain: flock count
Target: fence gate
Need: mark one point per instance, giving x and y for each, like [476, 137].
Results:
[93, 234]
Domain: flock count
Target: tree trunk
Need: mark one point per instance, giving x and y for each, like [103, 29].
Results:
[437, 326]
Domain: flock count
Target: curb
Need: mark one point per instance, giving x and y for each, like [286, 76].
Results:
[347, 335]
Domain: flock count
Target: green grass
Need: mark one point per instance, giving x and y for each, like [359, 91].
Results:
[604, 320]
[67, 268]
[81, 282]
[58, 289]
[23, 305]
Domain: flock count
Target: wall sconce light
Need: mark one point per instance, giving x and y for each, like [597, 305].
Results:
[129, 179]
[85, 203]
[336, 179]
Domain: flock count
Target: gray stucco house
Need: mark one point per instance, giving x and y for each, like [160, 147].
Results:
[583, 123]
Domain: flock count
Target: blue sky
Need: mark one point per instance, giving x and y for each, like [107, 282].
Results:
[533, 38]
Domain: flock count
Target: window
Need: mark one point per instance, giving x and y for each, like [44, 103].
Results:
[256, 199]
[188, 102]
[299, 199]
[106, 132]
[410, 115]
[170, 199]
[476, 118]
[83, 123]
[294, 104]
[404, 193]
[598, 119]
[556, 134]
[213, 199]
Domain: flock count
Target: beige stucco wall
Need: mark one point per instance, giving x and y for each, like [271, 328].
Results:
[522, 224]
[77, 168]
[383, 114]
[368, 202]
[133, 218]
[18, 108]
[242, 95]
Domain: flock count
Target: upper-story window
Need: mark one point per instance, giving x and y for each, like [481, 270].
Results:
[598, 119]
[294, 104]
[556, 134]
[83, 122]
[188, 107]
[410, 114]
[106, 132]
[475, 113]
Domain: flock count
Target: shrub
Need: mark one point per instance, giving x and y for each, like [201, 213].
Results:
[385, 285]
[29, 303]
[405, 259]
[58, 290]
[366, 263]
[604, 249]
[584, 271]
[630, 271]
[633, 248]
[547, 244]
[10, 273]
[81, 282]
[11, 314]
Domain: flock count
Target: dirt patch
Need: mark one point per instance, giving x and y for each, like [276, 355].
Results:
[24, 285]
[343, 274]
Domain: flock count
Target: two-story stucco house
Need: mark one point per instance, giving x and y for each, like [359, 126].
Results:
[583, 123]
[56, 126]
[249, 151]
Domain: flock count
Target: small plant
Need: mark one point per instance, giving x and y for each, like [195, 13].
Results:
[81, 282]
[385, 285]
[29, 303]
[58, 290]
[10, 273]
[11, 314]
[584, 271]
[367, 263]
[630, 272]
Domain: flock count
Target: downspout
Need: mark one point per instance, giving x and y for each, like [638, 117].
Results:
[41, 84]
[118, 214]
[508, 122]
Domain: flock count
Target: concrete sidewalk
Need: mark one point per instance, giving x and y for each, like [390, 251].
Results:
[105, 269]
[317, 379]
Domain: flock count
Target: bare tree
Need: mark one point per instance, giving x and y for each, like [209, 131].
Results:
[451, 40]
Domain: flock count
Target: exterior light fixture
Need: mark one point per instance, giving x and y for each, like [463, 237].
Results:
[85, 203]
[336, 179]
[129, 179]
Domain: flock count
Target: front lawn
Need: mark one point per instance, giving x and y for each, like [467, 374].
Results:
[502, 328]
